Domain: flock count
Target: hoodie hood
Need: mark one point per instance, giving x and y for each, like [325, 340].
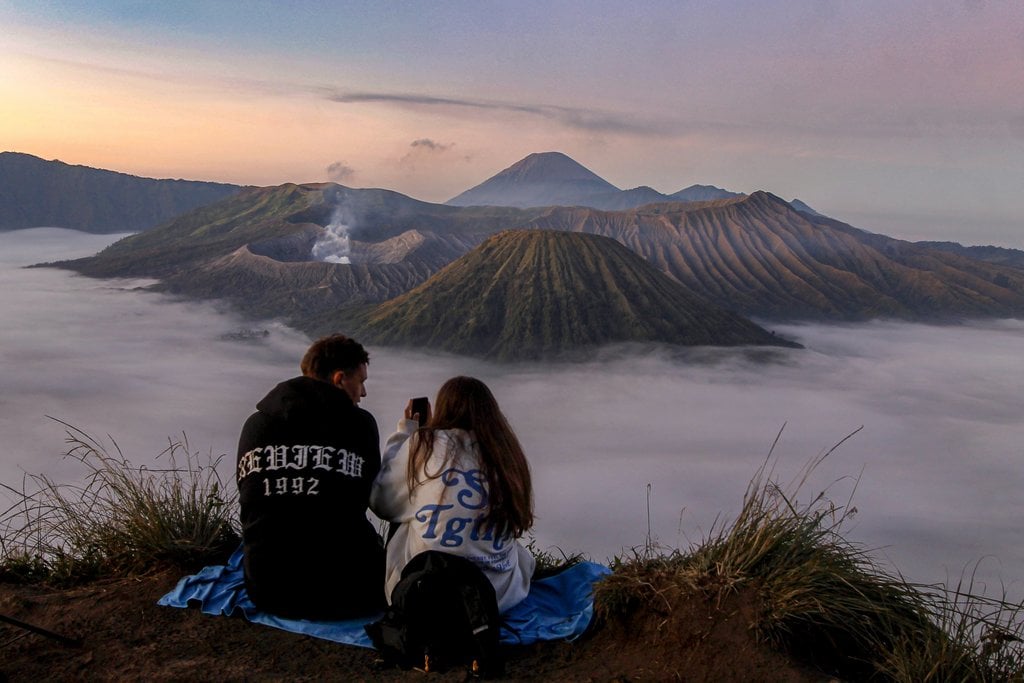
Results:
[305, 397]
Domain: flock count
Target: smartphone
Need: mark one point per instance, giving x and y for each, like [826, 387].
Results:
[422, 406]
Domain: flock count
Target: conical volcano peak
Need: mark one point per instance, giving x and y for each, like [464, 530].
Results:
[551, 166]
[540, 179]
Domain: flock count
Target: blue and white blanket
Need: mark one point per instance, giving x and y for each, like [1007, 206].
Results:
[558, 607]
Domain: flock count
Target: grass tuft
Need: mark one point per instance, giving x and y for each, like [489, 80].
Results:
[121, 519]
[550, 563]
[821, 598]
[818, 597]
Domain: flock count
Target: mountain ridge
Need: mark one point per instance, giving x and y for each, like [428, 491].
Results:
[39, 193]
[757, 255]
[751, 254]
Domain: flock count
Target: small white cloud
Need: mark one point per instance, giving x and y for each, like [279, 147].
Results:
[428, 144]
[424, 149]
[340, 172]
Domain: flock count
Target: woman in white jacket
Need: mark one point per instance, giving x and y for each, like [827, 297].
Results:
[459, 484]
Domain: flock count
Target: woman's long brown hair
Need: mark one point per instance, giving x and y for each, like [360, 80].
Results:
[466, 403]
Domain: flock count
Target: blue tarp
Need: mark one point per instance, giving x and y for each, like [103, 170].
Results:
[558, 607]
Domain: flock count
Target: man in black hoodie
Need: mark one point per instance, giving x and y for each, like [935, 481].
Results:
[306, 460]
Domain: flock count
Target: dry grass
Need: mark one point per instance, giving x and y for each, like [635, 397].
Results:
[120, 519]
[551, 561]
[822, 598]
[819, 597]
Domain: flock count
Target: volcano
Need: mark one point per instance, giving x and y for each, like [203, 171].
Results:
[530, 294]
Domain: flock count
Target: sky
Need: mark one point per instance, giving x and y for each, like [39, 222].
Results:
[905, 118]
[934, 467]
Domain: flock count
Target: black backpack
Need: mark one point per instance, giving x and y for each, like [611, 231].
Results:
[443, 614]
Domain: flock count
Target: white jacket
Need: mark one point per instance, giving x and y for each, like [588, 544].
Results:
[445, 513]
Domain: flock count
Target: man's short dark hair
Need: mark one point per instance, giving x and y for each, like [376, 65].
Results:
[329, 354]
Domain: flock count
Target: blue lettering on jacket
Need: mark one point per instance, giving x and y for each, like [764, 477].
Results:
[470, 496]
[452, 537]
[433, 512]
[474, 495]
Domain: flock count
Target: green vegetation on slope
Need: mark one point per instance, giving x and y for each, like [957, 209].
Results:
[525, 295]
[250, 216]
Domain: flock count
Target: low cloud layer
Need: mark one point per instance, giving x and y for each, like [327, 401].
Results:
[938, 458]
[132, 365]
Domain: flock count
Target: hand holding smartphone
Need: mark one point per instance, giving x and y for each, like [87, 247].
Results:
[419, 409]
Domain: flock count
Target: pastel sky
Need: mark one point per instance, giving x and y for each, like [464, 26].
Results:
[904, 117]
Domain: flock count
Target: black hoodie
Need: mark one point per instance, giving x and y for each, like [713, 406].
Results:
[306, 461]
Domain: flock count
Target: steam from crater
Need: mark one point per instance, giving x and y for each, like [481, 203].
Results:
[334, 246]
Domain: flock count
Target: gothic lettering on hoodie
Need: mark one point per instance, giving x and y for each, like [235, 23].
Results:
[292, 470]
[452, 523]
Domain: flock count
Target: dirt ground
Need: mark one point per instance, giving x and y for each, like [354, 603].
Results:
[125, 635]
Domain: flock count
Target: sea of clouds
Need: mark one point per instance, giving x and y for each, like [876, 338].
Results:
[636, 441]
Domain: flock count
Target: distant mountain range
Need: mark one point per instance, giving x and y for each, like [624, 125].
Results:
[554, 179]
[753, 254]
[36, 193]
[756, 256]
[999, 255]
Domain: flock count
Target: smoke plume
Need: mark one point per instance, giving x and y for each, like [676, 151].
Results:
[334, 245]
